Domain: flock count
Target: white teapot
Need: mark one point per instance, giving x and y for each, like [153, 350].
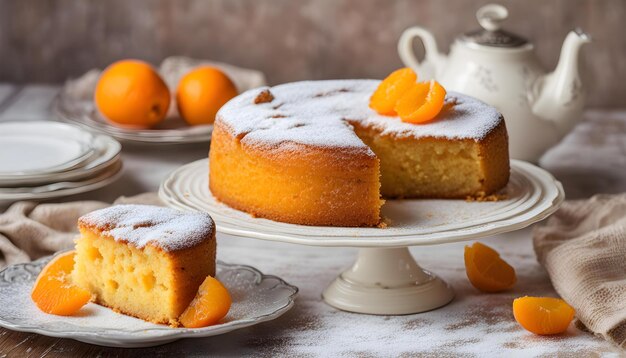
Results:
[501, 69]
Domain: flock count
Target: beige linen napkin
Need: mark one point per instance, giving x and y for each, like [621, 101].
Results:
[29, 230]
[583, 248]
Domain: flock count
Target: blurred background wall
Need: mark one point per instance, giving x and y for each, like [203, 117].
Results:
[51, 40]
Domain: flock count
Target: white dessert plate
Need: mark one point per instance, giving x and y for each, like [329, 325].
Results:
[61, 189]
[75, 104]
[256, 298]
[531, 195]
[106, 151]
[41, 147]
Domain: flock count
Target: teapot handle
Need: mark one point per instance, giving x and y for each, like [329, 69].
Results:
[428, 69]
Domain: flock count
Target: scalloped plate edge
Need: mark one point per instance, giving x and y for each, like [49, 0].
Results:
[130, 341]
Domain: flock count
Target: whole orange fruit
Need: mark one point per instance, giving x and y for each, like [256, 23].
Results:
[201, 93]
[130, 93]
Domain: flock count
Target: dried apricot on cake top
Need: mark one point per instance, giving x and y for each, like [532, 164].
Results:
[211, 304]
[422, 103]
[54, 292]
[391, 89]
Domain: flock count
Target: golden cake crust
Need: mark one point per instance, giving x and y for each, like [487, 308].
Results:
[298, 185]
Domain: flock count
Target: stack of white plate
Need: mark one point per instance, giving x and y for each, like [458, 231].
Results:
[42, 160]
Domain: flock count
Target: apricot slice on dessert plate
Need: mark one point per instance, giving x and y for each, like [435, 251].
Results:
[422, 103]
[211, 304]
[54, 292]
[543, 315]
[486, 270]
[391, 89]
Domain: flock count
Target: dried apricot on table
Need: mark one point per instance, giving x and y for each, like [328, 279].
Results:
[486, 270]
[211, 304]
[421, 103]
[391, 89]
[543, 315]
[54, 292]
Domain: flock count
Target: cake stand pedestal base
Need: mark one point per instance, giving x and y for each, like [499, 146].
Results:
[387, 282]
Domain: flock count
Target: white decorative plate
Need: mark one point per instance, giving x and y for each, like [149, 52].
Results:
[106, 151]
[41, 147]
[75, 104]
[256, 298]
[531, 195]
[63, 188]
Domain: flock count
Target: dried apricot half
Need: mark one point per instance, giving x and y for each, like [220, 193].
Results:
[486, 270]
[391, 89]
[210, 305]
[543, 315]
[54, 292]
[421, 103]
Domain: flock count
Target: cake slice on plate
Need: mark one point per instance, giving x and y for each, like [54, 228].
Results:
[144, 261]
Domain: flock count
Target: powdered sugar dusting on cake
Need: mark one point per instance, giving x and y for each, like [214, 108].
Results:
[139, 225]
[319, 113]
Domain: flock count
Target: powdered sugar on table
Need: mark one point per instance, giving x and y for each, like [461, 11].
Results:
[139, 225]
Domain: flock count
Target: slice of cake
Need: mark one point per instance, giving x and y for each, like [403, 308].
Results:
[144, 261]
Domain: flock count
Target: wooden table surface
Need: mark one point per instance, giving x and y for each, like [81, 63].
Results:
[590, 160]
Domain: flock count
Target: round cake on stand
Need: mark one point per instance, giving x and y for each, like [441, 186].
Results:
[385, 279]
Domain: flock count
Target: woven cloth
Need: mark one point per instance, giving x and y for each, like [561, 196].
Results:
[583, 248]
[29, 230]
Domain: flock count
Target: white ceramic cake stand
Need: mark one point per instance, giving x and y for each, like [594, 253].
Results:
[385, 279]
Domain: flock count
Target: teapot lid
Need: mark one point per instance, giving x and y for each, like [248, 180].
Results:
[489, 17]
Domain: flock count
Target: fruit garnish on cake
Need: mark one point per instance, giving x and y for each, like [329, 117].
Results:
[144, 261]
[414, 102]
[391, 89]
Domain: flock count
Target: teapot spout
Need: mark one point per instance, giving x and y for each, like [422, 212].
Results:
[559, 96]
